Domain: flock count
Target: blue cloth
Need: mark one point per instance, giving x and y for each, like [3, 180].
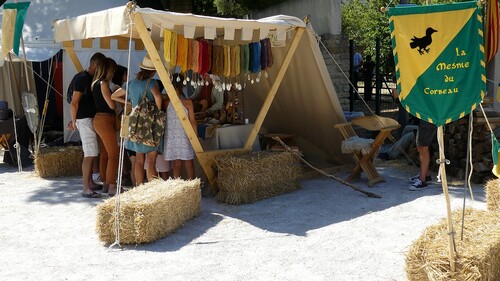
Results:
[135, 91]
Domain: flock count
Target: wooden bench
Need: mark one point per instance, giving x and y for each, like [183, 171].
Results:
[364, 161]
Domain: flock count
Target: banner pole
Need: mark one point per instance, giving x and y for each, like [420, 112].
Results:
[444, 183]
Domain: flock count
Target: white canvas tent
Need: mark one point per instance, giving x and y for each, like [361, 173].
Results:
[297, 98]
[40, 46]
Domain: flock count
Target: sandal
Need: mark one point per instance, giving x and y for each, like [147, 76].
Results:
[91, 195]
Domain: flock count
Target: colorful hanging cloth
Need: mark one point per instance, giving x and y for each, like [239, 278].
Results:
[182, 52]
[189, 60]
[167, 38]
[270, 58]
[254, 57]
[263, 54]
[232, 51]
[218, 60]
[237, 61]
[245, 58]
[227, 61]
[173, 50]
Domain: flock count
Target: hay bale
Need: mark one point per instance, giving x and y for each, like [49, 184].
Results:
[255, 176]
[150, 211]
[493, 195]
[61, 161]
[478, 255]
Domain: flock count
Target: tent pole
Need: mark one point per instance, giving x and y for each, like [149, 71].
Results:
[444, 183]
[174, 99]
[274, 88]
[68, 46]
[16, 145]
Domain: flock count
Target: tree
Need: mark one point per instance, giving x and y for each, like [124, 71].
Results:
[363, 22]
[240, 8]
[204, 7]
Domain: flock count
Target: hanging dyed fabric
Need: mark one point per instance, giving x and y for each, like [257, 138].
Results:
[167, 38]
[189, 54]
[263, 54]
[206, 57]
[227, 61]
[237, 62]
[173, 50]
[245, 58]
[182, 52]
[199, 59]
[218, 60]
[270, 58]
[254, 57]
[195, 60]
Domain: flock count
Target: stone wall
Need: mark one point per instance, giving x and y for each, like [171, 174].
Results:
[338, 46]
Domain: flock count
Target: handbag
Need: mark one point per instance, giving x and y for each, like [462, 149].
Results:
[146, 123]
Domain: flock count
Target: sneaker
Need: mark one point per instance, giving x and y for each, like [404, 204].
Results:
[417, 177]
[97, 178]
[418, 185]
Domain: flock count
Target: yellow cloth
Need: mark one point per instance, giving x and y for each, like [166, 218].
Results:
[233, 61]
[182, 52]
[173, 50]
[227, 61]
[237, 62]
[8, 26]
[167, 38]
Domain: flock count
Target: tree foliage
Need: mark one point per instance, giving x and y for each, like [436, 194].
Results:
[204, 7]
[363, 22]
[240, 8]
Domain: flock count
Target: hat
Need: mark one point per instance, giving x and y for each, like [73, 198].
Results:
[147, 64]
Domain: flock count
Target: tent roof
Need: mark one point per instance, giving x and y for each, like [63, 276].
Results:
[37, 31]
[305, 105]
[115, 22]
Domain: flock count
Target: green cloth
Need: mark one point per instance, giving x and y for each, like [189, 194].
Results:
[22, 8]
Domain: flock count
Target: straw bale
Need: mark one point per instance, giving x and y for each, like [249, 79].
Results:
[255, 176]
[493, 195]
[61, 161]
[150, 211]
[478, 254]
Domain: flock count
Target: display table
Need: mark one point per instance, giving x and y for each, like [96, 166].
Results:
[230, 137]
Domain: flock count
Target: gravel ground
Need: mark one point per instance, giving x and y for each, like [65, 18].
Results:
[325, 231]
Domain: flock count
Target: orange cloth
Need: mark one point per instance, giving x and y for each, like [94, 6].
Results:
[182, 52]
[195, 52]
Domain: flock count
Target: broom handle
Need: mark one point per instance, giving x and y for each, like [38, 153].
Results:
[367, 193]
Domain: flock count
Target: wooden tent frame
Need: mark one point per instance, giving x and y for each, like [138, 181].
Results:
[205, 158]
